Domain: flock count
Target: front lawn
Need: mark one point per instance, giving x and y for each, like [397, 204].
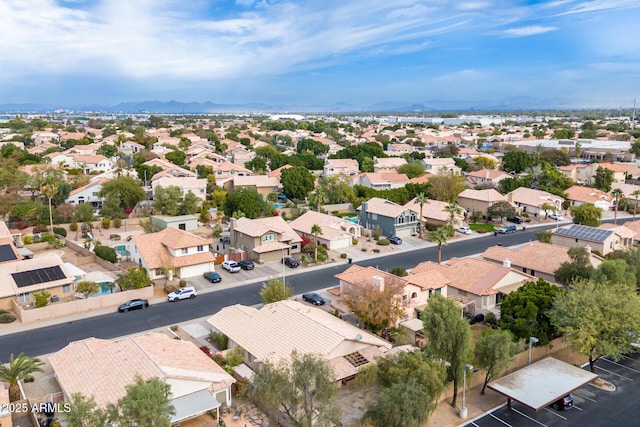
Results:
[482, 228]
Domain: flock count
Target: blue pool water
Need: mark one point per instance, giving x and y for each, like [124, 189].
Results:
[353, 220]
[280, 205]
[121, 250]
[105, 289]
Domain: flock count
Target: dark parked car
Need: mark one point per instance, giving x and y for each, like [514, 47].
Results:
[290, 262]
[395, 240]
[564, 403]
[246, 264]
[313, 298]
[516, 219]
[212, 276]
[134, 304]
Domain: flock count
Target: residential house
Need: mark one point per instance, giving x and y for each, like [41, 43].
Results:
[483, 282]
[61, 159]
[387, 164]
[272, 333]
[265, 239]
[102, 369]
[600, 240]
[412, 291]
[479, 200]
[381, 180]
[399, 149]
[392, 219]
[129, 148]
[578, 195]
[433, 212]
[172, 251]
[186, 184]
[441, 166]
[486, 177]
[180, 222]
[91, 164]
[84, 150]
[337, 233]
[277, 173]
[581, 173]
[340, 167]
[44, 136]
[621, 171]
[628, 190]
[89, 193]
[528, 200]
[535, 258]
[635, 227]
[262, 184]
[627, 235]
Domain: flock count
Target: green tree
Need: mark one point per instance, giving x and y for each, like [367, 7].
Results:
[111, 207]
[318, 198]
[586, 214]
[446, 187]
[248, 201]
[449, 337]
[338, 188]
[49, 188]
[189, 204]
[525, 311]
[146, 403]
[297, 182]
[617, 196]
[454, 210]
[125, 189]
[635, 194]
[412, 169]
[377, 307]
[176, 157]
[556, 157]
[516, 161]
[548, 207]
[134, 278]
[483, 162]
[421, 199]
[166, 201]
[501, 209]
[41, 298]
[84, 412]
[275, 290]
[614, 271]
[316, 231]
[83, 213]
[398, 271]
[579, 268]
[635, 147]
[312, 147]
[440, 236]
[603, 179]
[302, 388]
[494, 351]
[87, 287]
[360, 152]
[18, 368]
[598, 319]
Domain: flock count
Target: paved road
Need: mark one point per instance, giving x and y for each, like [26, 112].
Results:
[52, 338]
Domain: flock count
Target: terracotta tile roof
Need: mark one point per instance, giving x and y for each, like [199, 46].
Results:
[620, 167]
[621, 230]
[586, 194]
[276, 173]
[89, 185]
[389, 162]
[89, 159]
[332, 226]
[488, 174]
[538, 256]
[153, 248]
[381, 177]
[434, 210]
[634, 226]
[489, 195]
[261, 226]
[102, 369]
[383, 207]
[532, 197]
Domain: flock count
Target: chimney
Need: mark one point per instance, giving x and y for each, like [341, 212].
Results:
[506, 263]
[378, 283]
[487, 174]
[588, 248]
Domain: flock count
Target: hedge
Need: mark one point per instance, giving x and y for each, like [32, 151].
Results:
[60, 231]
[7, 318]
[383, 242]
[106, 253]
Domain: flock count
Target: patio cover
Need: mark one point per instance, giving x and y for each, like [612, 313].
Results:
[192, 405]
[542, 383]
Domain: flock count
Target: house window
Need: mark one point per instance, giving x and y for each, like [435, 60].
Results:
[268, 237]
[413, 217]
[66, 288]
[184, 251]
[294, 247]
[24, 297]
[414, 295]
[400, 219]
[533, 272]
[404, 298]
[159, 271]
[200, 248]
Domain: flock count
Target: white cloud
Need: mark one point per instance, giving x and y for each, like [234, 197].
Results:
[531, 30]
[600, 5]
[472, 5]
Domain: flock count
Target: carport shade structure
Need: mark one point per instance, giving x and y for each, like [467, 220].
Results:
[540, 384]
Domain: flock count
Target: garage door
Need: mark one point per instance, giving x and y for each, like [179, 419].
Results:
[195, 270]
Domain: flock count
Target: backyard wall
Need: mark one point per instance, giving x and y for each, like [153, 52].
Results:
[61, 309]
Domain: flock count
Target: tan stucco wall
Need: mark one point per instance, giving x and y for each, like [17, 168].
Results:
[570, 242]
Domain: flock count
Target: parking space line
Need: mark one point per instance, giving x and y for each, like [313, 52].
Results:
[503, 422]
[577, 407]
[554, 413]
[585, 397]
[621, 365]
[527, 416]
[613, 373]
[475, 424]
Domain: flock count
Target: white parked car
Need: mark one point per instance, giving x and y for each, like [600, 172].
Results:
[183, 293]
[556, 216]
[231, 266]
[463, 229]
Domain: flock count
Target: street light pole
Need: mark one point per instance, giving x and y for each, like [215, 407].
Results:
[282, 262]
[463, 408]
[532, 340]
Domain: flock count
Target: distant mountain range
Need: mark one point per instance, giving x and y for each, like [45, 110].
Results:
[176, 107]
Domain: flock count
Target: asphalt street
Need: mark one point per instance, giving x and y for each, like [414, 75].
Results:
[49, 339]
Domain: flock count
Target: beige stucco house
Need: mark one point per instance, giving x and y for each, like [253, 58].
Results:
[479, 200]
[337, 233]
[265, 239]
[597, 239]
[529, 201]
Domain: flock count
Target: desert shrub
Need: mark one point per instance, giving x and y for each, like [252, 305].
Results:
[40, 228]
[383, 242]
[106, 223]
[73, 226]
[182, 283]
[354, 241]
[27, 239]
[490, 319]
[343, 256]
[170, 288]
[117, 222]
[7, 318]
[41, 298]
[375, 250]
[234, 357]
[106, 253]
[60, 231]
[221, 340]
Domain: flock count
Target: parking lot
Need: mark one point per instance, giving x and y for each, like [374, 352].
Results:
[592, 406]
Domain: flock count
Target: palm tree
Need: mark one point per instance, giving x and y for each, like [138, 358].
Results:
[421, 199]
[50, 189]
[316, 230]
[635, 194]
[440, 236]
[617, 195]
[453, 209]
[17, 369]
[318, 198]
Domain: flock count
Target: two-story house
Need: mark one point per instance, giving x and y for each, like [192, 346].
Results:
[337, 233]
[92, 163]
[172, 252]
[530, 201]
[89, 193]
[479, 200]
[486, 177]
[340, 167]
[392, 219]
[265, 239]
[262, 184]
[387, 164]
[441, 166]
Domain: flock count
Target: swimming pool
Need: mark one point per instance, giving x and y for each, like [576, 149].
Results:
[106, 288]
[121, 250]
[280, 205]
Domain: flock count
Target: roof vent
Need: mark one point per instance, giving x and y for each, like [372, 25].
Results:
[506, 263]
[358, 337]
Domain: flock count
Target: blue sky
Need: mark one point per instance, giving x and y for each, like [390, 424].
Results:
[307, 52]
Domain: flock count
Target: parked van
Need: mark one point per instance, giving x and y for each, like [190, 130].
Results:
[507, 229]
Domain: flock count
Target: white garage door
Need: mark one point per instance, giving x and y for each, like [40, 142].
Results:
[338, 243]
[195, 270]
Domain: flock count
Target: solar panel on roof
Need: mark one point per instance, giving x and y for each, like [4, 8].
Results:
[585, 233]
[41, 275]
[6, 253]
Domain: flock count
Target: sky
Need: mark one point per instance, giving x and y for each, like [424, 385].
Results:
[320, 52]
